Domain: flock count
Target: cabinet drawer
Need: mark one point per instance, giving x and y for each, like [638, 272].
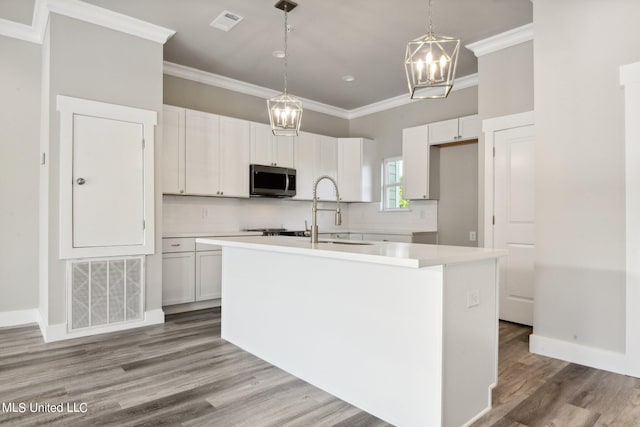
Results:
[200, 247]
[185, 244]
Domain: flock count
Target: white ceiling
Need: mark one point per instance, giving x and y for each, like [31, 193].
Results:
[330, 38]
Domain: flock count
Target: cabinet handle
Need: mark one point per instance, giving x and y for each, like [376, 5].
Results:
[80, 181]
[181, 191]
[175, 245]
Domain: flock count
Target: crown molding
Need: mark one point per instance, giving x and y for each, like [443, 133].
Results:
[502, 40]
[223, 82]
[109, 19]
[400, 100]
[19, 31]
[216, 80]
[84, 12]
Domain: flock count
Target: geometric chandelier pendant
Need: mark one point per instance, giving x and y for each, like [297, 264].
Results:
[285, 110]
[430, 63]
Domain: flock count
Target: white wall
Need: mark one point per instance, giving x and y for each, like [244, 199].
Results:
[506, 87]
[580, 206]
[19, 160]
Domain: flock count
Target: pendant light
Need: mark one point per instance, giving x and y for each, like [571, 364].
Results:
[430, 62]
[285, 111]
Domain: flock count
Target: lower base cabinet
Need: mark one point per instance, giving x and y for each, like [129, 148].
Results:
[208, 277]
[190, 272]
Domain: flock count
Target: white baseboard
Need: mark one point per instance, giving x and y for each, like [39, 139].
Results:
[581, 354]
[58, 332]
[18, 317]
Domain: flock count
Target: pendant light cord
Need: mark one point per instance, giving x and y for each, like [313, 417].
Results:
[430, 19]
[286, 55]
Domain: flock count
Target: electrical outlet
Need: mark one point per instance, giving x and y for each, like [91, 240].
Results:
[472, 236]
[473, 298]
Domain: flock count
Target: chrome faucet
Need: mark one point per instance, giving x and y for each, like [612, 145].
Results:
[315, 209]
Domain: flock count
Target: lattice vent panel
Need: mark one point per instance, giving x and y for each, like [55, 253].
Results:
[105, 291]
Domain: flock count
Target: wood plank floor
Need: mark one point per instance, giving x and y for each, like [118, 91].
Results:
[183, 373]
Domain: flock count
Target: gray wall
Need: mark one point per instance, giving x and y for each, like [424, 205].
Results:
[386, 127]
[92, 62]
[458, 204]
[580, 204]
[202, 97]
[19, 151]
[506, 87]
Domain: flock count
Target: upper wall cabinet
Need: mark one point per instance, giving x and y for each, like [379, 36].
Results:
[315, 156]
[173, 150]
[420, 163]
[355, 169]
[305, 155]
[454, 130]
[270, 150]
[217, 155]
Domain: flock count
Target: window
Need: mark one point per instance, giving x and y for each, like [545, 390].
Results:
[392, 185]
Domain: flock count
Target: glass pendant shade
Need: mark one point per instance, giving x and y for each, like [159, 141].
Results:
[285, 114]
[430, 62]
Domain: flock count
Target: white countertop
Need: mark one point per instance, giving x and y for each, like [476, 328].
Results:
[183, 234]
[396, 254]
[374, 231]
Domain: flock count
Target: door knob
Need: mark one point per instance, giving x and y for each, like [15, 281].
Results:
[80, 181]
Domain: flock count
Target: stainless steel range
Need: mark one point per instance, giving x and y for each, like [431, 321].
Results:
[278, 232]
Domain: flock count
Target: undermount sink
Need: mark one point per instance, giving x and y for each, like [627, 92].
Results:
[344, 242]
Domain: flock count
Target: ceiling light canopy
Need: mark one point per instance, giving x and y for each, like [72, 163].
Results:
[430, 62]
[285, 111]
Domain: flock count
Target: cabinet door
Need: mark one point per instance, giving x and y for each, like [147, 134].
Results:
[283, 151]
[445, 131]
[178, 278]
[415, 159]
[326, 164]
[108, 173]
[469, 127]
[173, 150]
[235, 143]
[261, 144]
[202, 153]
[304, 161]
[350, 169]
[208, 275]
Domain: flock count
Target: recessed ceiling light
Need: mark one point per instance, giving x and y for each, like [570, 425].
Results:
[226, 20]
[348, 78]
[278, 54]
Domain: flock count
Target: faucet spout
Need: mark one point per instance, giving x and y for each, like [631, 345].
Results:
[315, 209]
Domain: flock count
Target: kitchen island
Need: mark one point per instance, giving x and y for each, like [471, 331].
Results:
[406, 332]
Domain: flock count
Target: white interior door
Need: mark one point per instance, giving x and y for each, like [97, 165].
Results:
[108, 182]
[514, 220]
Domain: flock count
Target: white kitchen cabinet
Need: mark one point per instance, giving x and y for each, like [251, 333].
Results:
[173, 150]
[235, 148]
[326, 164]
[270, 150]
[190, 272]
[315, 155]
[355, 169]
[208, 280]
[217, 155]
[454, 130]
[420, 163]
[305, 153]
[178, 277]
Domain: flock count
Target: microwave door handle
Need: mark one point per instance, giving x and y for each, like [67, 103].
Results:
[286, 185]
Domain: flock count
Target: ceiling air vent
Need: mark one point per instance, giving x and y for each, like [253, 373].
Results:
[226, 20]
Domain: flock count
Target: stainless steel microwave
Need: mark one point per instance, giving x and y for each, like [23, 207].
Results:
[272, 181]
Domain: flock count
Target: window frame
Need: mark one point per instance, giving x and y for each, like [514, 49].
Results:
[385, 185]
